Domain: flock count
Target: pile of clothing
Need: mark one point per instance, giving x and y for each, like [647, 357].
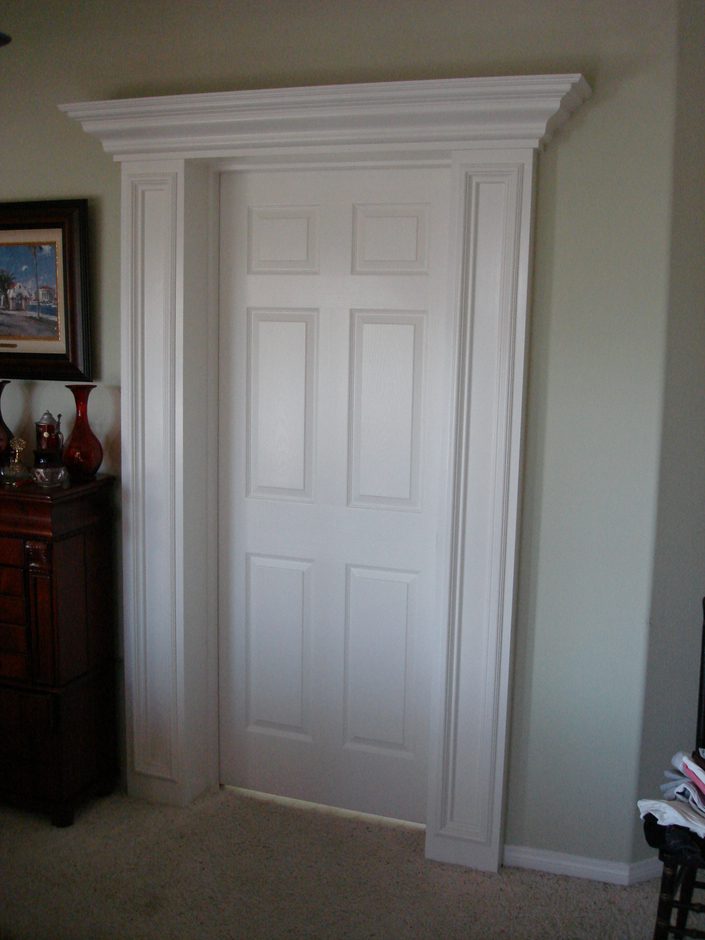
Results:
[683, 802]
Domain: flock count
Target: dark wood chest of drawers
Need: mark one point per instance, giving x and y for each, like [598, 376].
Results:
[57, 646]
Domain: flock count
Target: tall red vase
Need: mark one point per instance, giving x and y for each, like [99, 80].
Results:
[83, 453]
[5, 432]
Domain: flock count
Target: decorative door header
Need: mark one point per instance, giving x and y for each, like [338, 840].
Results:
[432, 117]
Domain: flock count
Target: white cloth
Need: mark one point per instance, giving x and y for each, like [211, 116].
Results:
[681, 788]
[674, 813]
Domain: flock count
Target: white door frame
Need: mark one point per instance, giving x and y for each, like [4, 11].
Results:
[172, 149]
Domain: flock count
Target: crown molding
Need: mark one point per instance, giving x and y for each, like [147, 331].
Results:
[432, 116]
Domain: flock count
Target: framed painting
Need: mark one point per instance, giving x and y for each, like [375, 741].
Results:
[44, 301]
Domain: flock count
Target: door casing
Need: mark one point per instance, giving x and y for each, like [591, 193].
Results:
[172, 149]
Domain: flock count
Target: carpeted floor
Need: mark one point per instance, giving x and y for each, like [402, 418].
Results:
[232, 867]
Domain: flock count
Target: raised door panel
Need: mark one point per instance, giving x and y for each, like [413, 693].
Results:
[279, 645]
[390, 239]
[379, 631]
[385, 398]
[283, 240]
[280, 390]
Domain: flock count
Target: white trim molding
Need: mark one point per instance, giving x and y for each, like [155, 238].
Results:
[579, 866]
[398, 117]
[486, 131]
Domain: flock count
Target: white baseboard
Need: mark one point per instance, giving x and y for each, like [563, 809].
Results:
[578, 866]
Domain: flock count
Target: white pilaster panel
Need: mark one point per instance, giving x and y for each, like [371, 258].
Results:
[494, 193]
[166, 420]
[149, 252]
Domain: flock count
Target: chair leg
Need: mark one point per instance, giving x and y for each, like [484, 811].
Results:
[685, 896]
[669, 882]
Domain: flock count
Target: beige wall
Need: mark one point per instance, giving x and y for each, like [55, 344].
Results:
[599, 338]
[678, 582]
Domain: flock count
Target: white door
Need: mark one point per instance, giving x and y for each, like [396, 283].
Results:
[335, 365]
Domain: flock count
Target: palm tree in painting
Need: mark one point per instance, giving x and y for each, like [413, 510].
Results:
[6, 281]
[42, 251]
[34, 249]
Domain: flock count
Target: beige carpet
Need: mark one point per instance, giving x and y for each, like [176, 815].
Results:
[232, 867]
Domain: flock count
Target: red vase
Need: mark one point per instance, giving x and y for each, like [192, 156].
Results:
[83, 453]
[5, 433]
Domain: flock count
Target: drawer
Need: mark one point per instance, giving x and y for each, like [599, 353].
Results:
[14, 653]
[13, 638]
[12, 609]
[11, 581]
[13, 666]
[24, 715]
[12, 552]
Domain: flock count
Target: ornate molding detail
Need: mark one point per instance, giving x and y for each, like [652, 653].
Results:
[430, 116]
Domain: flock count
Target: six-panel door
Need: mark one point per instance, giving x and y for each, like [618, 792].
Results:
[335, 375]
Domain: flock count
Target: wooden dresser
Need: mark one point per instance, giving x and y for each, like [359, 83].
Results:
[57, 646]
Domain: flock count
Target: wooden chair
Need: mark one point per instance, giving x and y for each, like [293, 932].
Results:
[682, 853]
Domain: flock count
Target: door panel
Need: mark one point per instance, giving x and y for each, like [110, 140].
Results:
[334, 402]
[280, 391]
[386, 393]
